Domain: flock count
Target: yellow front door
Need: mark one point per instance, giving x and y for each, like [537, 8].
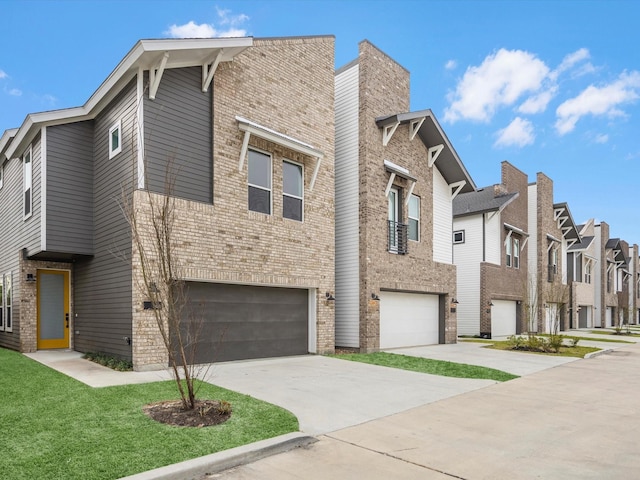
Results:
[53, 309]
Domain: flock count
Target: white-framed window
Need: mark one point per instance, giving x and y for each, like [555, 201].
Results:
[458, 236]
[27, 174]
[1, 174]
[292, 190]
[587, 273]
[115, 139]
[414, 218]
[509, 252]
[516, 253]
[7, 294]
[259, 185]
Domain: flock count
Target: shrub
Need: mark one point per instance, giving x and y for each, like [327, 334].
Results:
[109, 361]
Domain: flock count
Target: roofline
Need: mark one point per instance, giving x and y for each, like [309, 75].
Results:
[6, 138]
[407, 117]
[122, 71]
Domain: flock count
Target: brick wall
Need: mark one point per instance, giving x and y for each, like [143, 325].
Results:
[384, 90]
[500, 282]
[287, 86]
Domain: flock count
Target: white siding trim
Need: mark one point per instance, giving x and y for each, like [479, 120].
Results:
[467, 256]
[347, 263]
[442, 219]
[43, 189]
[493, 239]
[140, 122]
[312, 315]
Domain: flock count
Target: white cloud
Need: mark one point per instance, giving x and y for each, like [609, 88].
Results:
[598, 101]
[14, 92]
[538, 103]
[3, 74]
[518, 133]
[207, 30]
[450, 65]
[569, 61]
[500, 80]
[601, 138]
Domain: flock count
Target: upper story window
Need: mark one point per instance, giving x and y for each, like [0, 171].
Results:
[259, 166]
[292, 190]
[414, 218]
[458, 236]
[1, 174]
[115, 139]
[27, 174]
[509, 252]
[516, 253]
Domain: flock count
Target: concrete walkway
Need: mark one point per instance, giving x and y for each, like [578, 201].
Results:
[576, 421]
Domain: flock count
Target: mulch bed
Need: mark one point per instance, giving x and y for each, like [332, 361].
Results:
[206, 413]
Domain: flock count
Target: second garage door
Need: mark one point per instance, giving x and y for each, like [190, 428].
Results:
[408, 319]
[245, 321]
[503, 318]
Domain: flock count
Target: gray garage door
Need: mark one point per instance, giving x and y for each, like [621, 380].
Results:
[242, 322]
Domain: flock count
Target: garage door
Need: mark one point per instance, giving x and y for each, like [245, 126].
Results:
[242, 322]
[503, 318]
[408, 319]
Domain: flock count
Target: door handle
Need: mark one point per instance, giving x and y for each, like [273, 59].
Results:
[66, 318]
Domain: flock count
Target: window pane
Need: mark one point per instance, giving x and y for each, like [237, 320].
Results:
[259, 200]
[115, 139]
[413, 229]
[259, 169]
[414, 207]
[292, 208]
[27, 202]
[292, 179]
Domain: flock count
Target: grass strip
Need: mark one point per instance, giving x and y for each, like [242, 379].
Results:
[56, 427]
[427, 365]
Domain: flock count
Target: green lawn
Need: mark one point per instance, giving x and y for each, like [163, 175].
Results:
[621, 334]
[426, 365]
[54, 427]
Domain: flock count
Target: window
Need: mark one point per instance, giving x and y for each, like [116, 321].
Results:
[509, 251]
[8, 293]
[292, 191]
[259, 166]
[516, 253]
[414, 218]
[115, 140]
[458, 236]
[27, 172]
[1, 174]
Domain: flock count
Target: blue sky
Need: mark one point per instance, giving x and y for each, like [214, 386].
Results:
[550, 86]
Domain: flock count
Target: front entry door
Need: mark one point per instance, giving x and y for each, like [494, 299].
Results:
[53, 309]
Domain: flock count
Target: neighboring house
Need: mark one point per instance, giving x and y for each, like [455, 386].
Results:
[583, 265]
[490, 250]
[612, 296]
[552, 232]
[396, 177]
[245, 129]
[634, 286]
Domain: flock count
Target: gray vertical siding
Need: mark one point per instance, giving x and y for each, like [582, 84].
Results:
[69, 214]
[103, 292]
[178, 136]
[11, 225]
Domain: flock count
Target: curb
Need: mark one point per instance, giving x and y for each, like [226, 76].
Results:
[598, 353]
[220, 461]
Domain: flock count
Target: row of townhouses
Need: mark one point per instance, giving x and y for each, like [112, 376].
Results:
[314, 210]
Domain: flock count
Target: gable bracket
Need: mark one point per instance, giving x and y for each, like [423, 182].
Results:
[406, 200]
[522, 245]
[433, 153]
[508, 237]
[457, 186]
[415, 126]
[155, 75]
[387, 132]
[243, 151]
[392, 177]
[208, 71]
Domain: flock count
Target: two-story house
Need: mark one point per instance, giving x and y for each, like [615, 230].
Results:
[612, 287]
[552, 232]
[242, 130]
[489, 240]
[396, 177]
[582, 269]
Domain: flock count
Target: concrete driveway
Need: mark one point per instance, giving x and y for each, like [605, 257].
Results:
[576, 421]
